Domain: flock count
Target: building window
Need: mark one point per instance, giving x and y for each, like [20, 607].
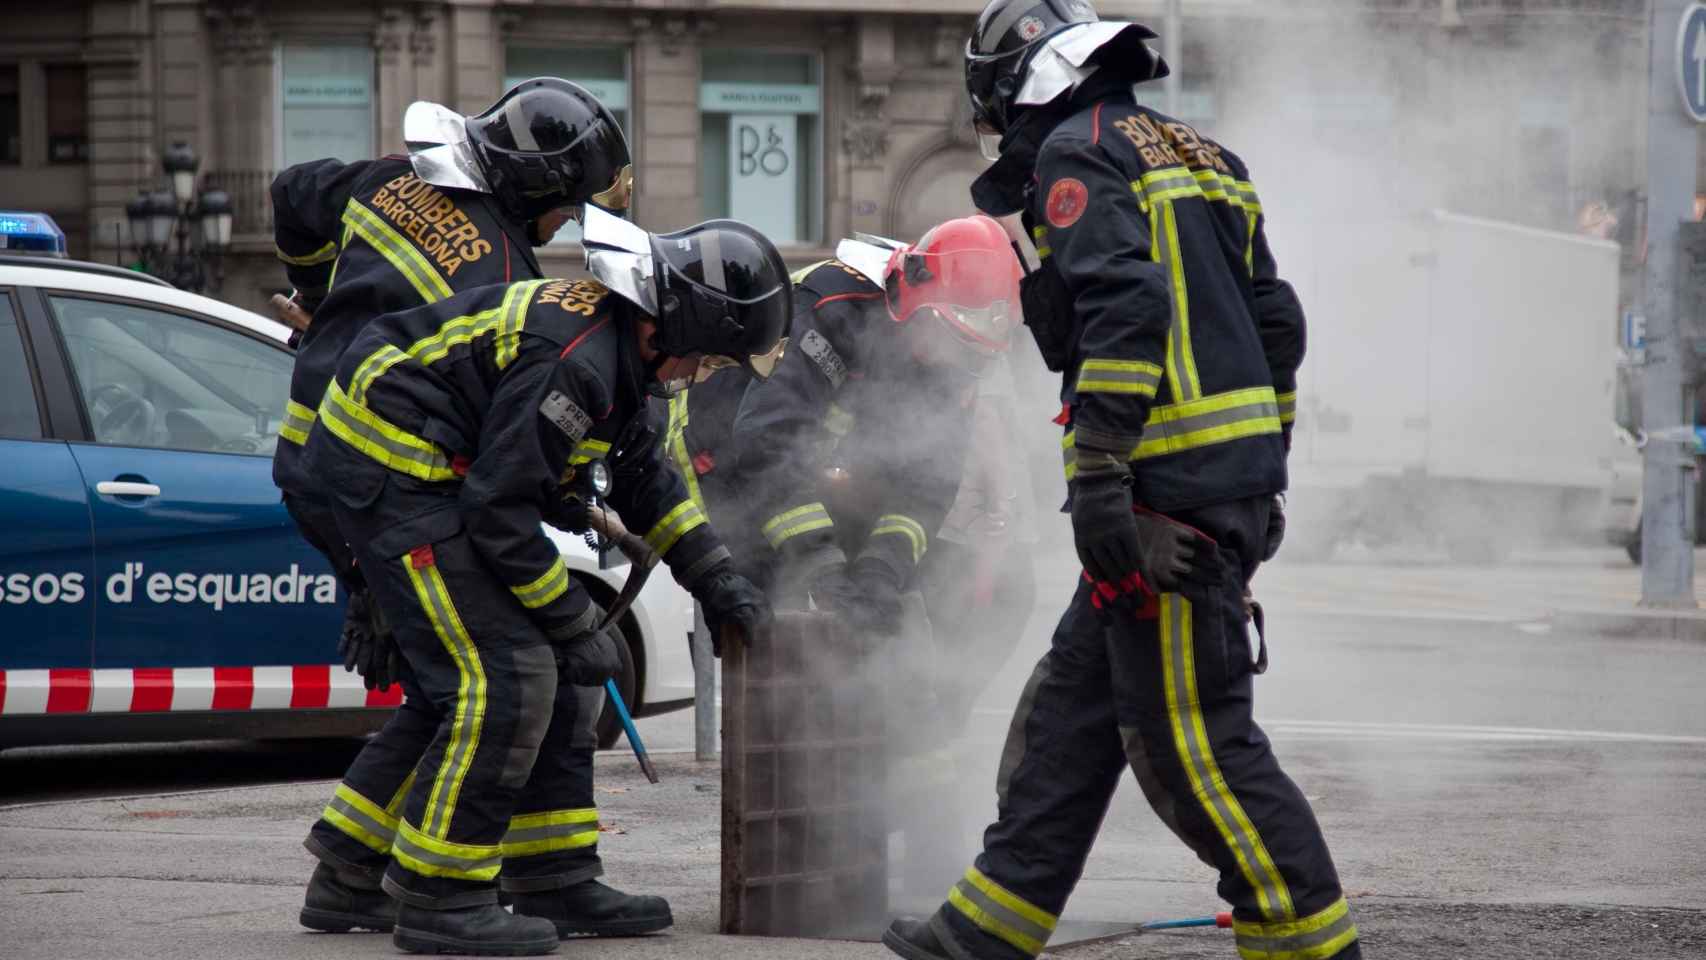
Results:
[603, 71]
[325, 102]
[67, 113]
[11, 129]
[760, 151]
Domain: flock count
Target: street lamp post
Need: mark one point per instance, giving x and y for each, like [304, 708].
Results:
[181, 236]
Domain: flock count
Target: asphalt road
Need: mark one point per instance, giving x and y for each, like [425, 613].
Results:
[1491, 788]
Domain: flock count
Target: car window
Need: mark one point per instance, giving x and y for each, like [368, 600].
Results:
[19, 417]
[155, 379]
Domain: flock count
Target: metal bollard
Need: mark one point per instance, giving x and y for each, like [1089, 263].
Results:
[704, 690]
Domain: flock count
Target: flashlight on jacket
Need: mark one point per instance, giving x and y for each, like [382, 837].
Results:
[586, 486]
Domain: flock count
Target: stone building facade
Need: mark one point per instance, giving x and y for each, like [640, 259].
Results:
[810, 118]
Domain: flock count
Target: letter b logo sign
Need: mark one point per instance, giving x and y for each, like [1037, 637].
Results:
[760, 152]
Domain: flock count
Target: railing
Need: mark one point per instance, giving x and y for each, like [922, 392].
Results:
[251, 199]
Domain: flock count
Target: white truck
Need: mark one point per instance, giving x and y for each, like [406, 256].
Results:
[1458, 389]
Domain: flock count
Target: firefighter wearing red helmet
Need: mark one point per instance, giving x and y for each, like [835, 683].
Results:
[837, 472]
[1158, 301]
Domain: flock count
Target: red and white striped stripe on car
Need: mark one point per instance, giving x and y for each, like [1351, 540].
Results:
[171, 689]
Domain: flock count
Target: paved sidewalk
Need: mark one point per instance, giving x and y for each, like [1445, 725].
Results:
[218, 875]
[1593, 590]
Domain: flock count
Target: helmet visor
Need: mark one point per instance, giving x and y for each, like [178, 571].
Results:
[986, 329]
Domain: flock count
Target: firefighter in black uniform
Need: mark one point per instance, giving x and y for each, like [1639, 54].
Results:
[464, 210]
[450, 432]
[1158, 299]
[367, 238]
[848, 459]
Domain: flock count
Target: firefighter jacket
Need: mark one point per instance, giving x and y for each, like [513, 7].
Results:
[1158, 299]
[853, 447]
[367, 238]
[478, 411]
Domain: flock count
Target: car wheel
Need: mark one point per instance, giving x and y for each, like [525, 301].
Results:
[627, 683]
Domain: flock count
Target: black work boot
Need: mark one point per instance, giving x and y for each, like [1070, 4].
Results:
[591, 907]
[913, 940]
[486, 930]
[339, 904]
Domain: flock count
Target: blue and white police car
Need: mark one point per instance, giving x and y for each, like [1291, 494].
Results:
[151, 585]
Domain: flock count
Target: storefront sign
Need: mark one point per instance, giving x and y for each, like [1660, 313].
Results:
[759, 98]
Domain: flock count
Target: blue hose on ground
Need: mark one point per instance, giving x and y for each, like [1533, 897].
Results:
[1218, 920]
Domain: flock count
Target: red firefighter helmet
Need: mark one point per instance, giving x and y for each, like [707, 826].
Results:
[964, 274]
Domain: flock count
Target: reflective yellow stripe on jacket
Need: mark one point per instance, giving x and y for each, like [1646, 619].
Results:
[901, 525]
[298, 420]
[547, 587]
[1178, 427]
[587, 451]
[322, 255]
[382, 440]
[397, 251]
[791, 523]
[675, 440]
[504, 322]
[1136, 377]
[674, 525]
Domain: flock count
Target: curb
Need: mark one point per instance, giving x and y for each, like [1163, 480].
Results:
[1646, 624]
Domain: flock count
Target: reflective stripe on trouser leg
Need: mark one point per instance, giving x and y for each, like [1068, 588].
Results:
[1000, 913]
[1059, 768]
[1183, 686]
[1319, 936]
[360, 841]
[470, 710]
[1196, 753]
[553, 837]
[448, 847]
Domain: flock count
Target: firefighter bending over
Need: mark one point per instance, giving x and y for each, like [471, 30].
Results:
[450, 432]
[849, 458]
[463, 210]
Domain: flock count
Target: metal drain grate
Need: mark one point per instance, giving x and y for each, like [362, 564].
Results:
[805, 833]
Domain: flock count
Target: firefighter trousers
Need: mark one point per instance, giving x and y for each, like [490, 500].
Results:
[488, 762]
[1168, 694]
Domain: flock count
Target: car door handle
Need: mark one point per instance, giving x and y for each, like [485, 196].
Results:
[127, 488]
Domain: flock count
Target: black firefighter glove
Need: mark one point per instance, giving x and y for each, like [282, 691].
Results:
[1276, 527]
[730, 599]
[589, 657]
[1115, 544]
[866, 594]
[367, 645]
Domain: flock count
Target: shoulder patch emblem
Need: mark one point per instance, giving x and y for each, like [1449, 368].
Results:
[822, 353]
[566, 415]
[1067, 200]
[1028, 28]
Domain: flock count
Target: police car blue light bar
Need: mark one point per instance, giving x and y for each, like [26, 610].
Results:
[31, 233]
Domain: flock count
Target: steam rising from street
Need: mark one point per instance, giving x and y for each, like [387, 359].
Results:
[1355, 129]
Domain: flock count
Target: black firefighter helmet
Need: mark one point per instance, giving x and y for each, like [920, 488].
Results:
[1009, 32]
[548, 143]
[723, 291]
